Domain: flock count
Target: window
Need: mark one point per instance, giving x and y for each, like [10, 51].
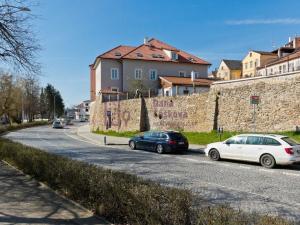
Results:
[251, 64]
[284, 68]
[256, 63]
[153, 74]
[174, 55]
[163, 136]
[196, 74]
[167, 93]
[237, 140]
[279, 69]
[290, 141]
[185, 92]
[114, 73]
[182, 73]
[253, 140]
[246, 65]
[86, 110]
[147, 134]
[138, 74]
[250, 54]
[115, 89]
[270, 141]
[291, 67]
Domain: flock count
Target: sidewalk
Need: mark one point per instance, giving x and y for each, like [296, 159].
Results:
[98, 139]
[25, 201]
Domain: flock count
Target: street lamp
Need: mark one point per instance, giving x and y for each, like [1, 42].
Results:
[54, 107]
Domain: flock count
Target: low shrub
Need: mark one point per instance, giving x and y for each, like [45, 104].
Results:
[6, 128]
[120, 197]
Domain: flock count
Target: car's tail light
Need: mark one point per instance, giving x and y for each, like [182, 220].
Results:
[172, 142]
[289, 151]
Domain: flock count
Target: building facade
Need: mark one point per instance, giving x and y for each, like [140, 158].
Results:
[174, 86]
[126, 68]
[255, 59]
[284, 65]
[229, 70]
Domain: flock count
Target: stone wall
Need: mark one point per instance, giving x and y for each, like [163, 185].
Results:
[187, 113]
[122, 115]
[176, 113]
[227, 105]
[278, 110]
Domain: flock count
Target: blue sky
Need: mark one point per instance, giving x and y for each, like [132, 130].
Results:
[73, 32]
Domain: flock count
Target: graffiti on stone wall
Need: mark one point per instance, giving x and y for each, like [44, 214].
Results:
[169, 116]
[114, 116]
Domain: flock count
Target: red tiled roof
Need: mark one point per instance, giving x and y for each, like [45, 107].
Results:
[109, 91]
[187, 81]
[294, 55]
[153, 51]
[117, 53]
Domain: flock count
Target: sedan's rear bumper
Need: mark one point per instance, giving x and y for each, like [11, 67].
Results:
[176, 148]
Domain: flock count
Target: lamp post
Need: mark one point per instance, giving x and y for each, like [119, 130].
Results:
[54, 107]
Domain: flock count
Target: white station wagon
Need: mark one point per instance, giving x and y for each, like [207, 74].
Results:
[267, 149]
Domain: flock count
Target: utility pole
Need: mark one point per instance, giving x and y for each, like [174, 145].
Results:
[22, 107]
[54, 107]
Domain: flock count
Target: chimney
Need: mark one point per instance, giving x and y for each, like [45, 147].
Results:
[193, 76]
[279, 52]
[146, 40]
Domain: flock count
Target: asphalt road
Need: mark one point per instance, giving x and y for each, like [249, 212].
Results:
[245, 186]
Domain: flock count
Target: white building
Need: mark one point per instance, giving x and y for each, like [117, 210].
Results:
[286, 64]
[83, 110]
[172, 86]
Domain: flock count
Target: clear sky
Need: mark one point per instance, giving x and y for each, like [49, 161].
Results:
[73, 32]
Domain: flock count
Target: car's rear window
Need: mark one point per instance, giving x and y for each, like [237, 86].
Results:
[290, 141]
[175, 136]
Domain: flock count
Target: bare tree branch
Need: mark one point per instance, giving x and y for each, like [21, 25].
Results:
[18, 45]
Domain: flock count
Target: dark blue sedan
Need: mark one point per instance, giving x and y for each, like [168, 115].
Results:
[160, 141]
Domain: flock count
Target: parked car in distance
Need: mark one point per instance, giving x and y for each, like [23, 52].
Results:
[57, 124]
[160, 141]
[266, 149]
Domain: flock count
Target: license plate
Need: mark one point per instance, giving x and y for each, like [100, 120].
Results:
[181, 143]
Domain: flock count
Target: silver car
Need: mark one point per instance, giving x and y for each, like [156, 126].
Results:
[57, 124]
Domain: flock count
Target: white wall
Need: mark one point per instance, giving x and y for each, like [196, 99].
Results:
[180, 90]
[290, 66]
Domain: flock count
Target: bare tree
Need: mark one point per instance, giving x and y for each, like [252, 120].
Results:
[18, 45]
[10, 98]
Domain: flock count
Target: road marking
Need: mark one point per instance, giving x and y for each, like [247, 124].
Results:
[245, 167]
[291, 174]
[267, 170]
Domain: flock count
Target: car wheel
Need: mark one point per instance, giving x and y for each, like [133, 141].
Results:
[214, 154]
[160, 149]
[132, 145]
[267, 161]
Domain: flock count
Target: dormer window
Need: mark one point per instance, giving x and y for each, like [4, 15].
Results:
[174, 56]
[117, 54]
[192, 59]
[138, 54]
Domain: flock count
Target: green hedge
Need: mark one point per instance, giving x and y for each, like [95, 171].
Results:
[6, 128]
[120, 197]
